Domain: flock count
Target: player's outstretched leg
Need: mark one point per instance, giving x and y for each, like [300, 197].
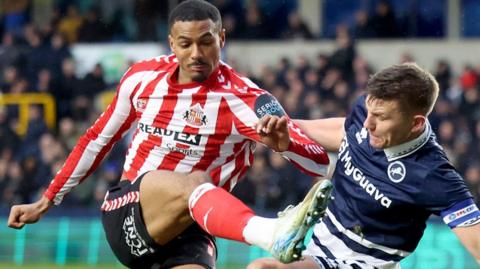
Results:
[293, 223]
[223, 215]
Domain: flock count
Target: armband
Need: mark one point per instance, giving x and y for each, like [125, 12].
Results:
[461, 214]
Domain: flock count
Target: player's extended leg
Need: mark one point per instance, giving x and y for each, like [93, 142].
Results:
[164, 202]
[222, 215]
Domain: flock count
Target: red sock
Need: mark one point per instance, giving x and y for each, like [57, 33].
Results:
[218, 212]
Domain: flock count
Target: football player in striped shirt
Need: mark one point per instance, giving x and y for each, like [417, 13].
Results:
[195, 136]
[390, 177]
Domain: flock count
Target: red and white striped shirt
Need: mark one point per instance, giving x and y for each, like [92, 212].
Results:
[206, 126]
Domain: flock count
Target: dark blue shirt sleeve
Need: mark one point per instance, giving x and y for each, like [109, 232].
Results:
[443, 188]
[358, 113]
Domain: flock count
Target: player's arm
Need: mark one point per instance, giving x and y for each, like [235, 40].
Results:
[28, 213]
[86, 155]
[463, 217]
[470, 238]
[273, 132]
[326, 132]
[256, 112]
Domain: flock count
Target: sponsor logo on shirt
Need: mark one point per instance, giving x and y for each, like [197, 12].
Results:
[195, 116]
[396, 171]
[357, 175]
[268, 105]
[186, 150]
[137, 244]
[361, 135]
[190, 139]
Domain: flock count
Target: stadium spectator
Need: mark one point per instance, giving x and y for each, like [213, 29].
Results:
[92, 28]
[149, 16]
[44, 81]
[9, 138]
[20, 86]
[67, 87]
[180, 130]
[35, 54]
[9, 52]
[10, 75]
[254, 26]
[363, 27]
[468, 78]
[68, 132]
[296, 28]
[388, 160]
[56, 52]
[70, 24]
[383, 21]
[344, 55]
[443, 75]
[35, 129]
[13, 191]
[93, 83]
[472, 177]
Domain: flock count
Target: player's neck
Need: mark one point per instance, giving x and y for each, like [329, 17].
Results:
[411, 145]
[415, 135]
[180, 79]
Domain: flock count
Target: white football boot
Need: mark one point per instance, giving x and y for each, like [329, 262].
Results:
[294, 222]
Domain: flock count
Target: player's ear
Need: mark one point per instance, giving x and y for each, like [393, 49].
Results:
[419, 122]
[171, 43]
[222, 37]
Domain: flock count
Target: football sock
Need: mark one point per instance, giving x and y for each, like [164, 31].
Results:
[259, 232]
[218, 212]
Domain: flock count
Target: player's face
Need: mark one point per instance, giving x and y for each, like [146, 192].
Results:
[197, 45]
[387, 124]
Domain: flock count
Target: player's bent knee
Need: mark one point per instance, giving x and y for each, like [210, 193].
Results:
[195, 179]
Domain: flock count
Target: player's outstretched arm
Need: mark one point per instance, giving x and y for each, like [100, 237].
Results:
[470, 238]
[28, 213]
[282, 135]
[326, 132]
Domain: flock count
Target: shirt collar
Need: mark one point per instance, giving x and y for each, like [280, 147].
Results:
[409, 147]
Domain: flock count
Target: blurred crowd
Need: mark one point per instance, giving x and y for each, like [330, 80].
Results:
[36, 59]
[326, 86]
[147, 20]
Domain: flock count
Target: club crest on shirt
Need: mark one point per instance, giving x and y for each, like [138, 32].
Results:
[195, 116]
[396, 171]
[141, 104]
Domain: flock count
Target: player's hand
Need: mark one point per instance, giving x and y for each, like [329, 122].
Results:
[28, 213]
[273, 132]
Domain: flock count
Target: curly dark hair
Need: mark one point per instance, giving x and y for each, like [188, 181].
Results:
[195, 10]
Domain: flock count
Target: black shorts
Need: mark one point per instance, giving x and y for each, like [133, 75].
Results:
[135, 248]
